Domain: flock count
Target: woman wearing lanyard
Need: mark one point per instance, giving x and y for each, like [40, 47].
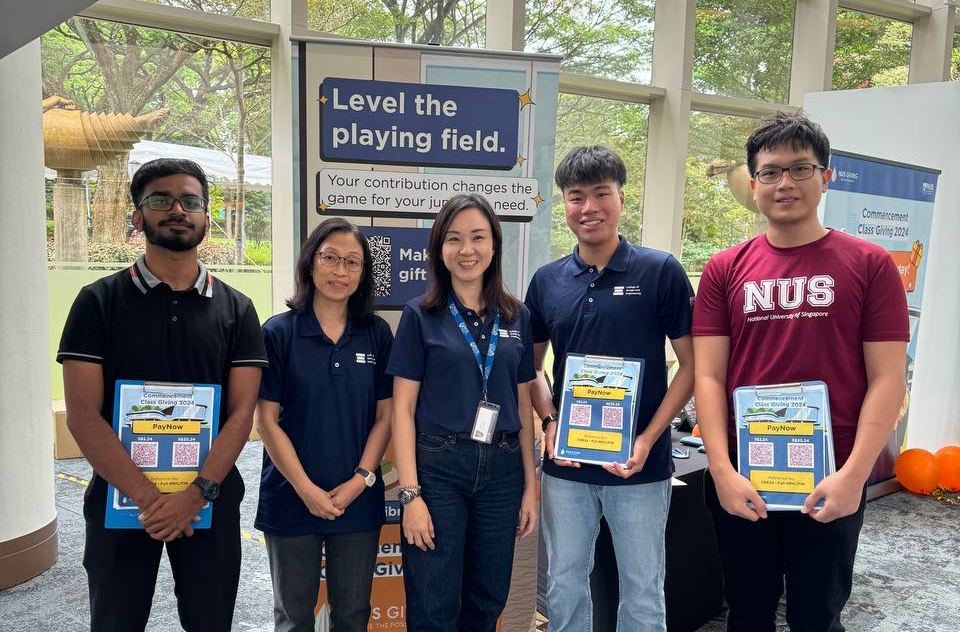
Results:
[462, 426]
[324, 416]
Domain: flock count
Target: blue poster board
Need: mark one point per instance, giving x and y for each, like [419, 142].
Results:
[598, 409]
[167, 430]
[784, 440]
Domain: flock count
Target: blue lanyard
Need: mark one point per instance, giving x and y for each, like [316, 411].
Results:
[491, 350]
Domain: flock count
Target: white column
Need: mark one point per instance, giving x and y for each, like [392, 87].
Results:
[291, 16]
[932, 43]
[814, 41]
[28, 537]
[505, 24]
[674, 27]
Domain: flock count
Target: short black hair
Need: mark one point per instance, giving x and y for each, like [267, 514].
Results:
[360, 303]
[590, 165]
[793, 130]
[161, 168]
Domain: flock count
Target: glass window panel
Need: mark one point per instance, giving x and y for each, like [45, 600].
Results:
[955, 65]
[713, 219]
[124, 95]
[619, 125]
[742, 48]
[250, 9]
[871, 51]
[600, 38]
[460, 23]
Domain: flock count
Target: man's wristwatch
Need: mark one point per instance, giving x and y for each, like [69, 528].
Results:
[369, 478]
[546, 420]
[408, 493]
[208, 489]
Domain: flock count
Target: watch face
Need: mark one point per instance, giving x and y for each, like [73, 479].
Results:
[406, 495]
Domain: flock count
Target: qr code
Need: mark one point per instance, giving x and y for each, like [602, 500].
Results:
[761, 454]
[381, 250]
[580, 415]
[612, 417]
[800, 455]
[144, 453]
[186, 454]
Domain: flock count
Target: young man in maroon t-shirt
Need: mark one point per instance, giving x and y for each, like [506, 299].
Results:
[799, 302]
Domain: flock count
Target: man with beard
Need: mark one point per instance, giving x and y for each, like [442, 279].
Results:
[164, 319]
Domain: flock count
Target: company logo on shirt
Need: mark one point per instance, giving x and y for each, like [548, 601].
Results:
[510, 333]
[626, 290]
[770, 294]
[366, 358]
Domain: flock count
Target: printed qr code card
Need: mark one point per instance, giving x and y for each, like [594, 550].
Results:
[761, 454]
[612, 417]
[581, 415]
[784, 440]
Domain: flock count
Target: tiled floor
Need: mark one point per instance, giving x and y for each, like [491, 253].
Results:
[907, 575]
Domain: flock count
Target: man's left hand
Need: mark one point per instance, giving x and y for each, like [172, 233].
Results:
[346, 492]
[641, 449]
[841, 495]
[171, 515]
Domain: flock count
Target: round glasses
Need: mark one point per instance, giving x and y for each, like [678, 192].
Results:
[189, 203]
[773, 174]
[330, 260]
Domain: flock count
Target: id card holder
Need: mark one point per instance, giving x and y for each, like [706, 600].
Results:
[485, 422]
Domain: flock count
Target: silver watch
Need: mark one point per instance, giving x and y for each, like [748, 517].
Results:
[408, 493]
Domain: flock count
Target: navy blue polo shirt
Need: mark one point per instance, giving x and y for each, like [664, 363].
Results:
[328, 394]
[432, 350]
[640, 298]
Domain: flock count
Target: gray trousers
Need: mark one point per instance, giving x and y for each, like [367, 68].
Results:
[296, 570]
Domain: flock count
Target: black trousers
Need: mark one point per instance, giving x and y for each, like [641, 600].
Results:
[814, 561]
[122, 566]
[297, 568]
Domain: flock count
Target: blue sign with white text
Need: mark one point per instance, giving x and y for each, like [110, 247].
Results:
[399, 264]
[387, 122]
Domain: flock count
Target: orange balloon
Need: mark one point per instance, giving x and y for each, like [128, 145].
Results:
[949, 458]
[918, 471]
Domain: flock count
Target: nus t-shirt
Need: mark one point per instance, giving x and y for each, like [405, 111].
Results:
[803, 313]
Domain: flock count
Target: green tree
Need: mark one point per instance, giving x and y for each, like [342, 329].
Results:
[871, 51]
[447, 22]
[743, 48]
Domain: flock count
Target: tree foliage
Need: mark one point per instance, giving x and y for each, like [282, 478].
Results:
[446, 22]
[217, 92]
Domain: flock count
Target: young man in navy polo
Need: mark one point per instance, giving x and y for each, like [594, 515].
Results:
[163, 319]
[609, 298]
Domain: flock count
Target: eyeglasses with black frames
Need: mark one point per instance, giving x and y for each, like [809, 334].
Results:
[330, 260]
[189, 203]
[801, 171]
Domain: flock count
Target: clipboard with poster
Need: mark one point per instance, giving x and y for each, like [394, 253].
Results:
[784, 440]
[167, 429]
[598, 409]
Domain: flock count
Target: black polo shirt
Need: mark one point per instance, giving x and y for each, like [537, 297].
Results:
[138, 328]
[328, 394]
[641, 297]
[431, 349]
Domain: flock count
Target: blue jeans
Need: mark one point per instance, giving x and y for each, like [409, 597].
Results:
[637, 516]
[473, 493]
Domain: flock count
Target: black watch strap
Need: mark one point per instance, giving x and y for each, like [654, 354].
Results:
[208, 489]
[546, 420]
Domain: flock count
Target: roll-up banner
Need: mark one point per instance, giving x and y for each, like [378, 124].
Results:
[889, 204]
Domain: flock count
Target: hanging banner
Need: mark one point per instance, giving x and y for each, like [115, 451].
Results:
[889, 204]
